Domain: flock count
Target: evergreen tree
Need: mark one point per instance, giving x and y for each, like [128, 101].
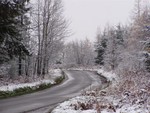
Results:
[115, 45]
[100, 49]
[11, 12]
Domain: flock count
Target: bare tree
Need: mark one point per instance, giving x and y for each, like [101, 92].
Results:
[80, 53]
[51, 29]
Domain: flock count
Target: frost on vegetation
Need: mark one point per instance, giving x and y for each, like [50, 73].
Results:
[4, 69]
[109, 75]
[99, 104]
[131, 94]
[83, 68]
[80, 104]
[32, 85]
[16, 85]
[55, 73]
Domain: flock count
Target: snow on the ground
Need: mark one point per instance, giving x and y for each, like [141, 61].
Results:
[109, 75]
[48, 80]
[76, 105]
[88, 104]
[22, 85]
[55, 73]
[93, 68]
[132, 109]
[72, 105]
[97, 103]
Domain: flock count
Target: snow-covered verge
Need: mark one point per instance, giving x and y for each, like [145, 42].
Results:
[122, 96]
[92, 104]
[80, 68]
[111, 76]
[56, 73]
[80, 104]
[14, 89]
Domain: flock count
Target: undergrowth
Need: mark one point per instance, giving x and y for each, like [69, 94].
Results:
[133, 89]
[27, 90]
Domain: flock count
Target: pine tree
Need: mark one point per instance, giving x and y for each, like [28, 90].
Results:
[100, 49]
[11, 44]
[115, 45]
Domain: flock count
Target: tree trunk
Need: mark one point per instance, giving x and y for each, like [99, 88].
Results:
[20, 65]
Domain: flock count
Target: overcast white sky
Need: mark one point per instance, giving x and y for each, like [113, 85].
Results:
[87, 15]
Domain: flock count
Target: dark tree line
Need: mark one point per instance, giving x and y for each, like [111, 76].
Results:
[11, 26]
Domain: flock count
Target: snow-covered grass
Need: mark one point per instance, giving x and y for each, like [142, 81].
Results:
[48, 80]
[81, 68]
[124, 96]
[132, 109]
[110, 76]
[54, 73]
[80, 104]
[12, 87]
[92, 104]
[10, 90]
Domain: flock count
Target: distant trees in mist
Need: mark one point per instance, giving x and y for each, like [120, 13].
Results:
[79, 53]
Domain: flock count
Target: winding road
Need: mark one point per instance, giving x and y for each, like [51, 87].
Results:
[45, 100]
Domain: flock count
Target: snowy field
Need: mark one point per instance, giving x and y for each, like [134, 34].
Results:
[49, 79]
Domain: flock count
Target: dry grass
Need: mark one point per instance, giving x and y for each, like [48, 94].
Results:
[133, 88]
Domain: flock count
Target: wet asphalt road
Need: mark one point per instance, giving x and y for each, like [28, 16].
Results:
[76, 82]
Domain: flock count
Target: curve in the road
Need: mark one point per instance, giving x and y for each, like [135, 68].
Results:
[78, 80]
